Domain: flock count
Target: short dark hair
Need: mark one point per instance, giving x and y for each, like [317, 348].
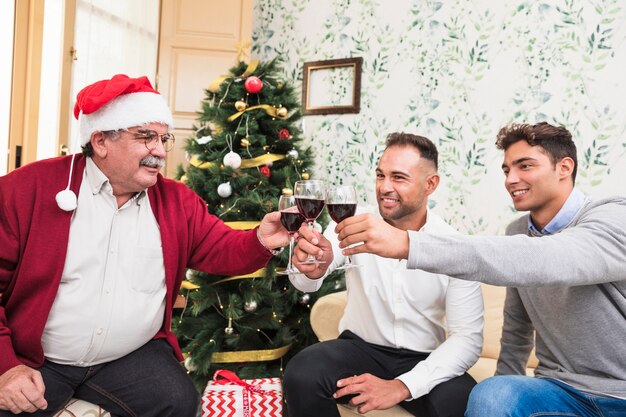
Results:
[426, 148]
[87, 149]
[555, 140]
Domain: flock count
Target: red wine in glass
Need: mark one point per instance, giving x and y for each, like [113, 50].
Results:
[310, 207]
[340, 212]
[341, 203]
[291, 220]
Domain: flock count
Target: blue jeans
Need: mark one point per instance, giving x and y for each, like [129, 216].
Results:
[522, 396]
[148, 382]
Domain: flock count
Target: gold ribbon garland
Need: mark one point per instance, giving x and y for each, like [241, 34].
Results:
[246, 163]
[250, 355]
[214, 87]
[188, 285]
[259, 273]
[270, 110]
[243, 225]
[242, 49]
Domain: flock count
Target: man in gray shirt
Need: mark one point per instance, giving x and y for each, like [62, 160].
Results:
[568, 289]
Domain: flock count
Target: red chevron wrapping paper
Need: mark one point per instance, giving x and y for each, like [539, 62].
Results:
[228, 396]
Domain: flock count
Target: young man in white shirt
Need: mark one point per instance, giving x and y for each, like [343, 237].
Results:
[407, 337]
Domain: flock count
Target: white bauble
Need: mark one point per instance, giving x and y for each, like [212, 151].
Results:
[232, 159]
[250, 306]
[293, 154]
[224, 190]
[189, 274]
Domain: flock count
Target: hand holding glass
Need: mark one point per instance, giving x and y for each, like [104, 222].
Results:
[310, 197]
[341, 204]
[291, 219]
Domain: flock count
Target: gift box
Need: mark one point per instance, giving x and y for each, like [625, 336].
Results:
[228, 396]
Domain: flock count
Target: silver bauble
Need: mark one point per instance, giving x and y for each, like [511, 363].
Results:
[305, 298]
[189, 365]
[293, 154]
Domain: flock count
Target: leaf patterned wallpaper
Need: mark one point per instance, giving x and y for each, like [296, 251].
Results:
[456, 71]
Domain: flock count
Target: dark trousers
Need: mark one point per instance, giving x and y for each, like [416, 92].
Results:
[311, 376]
[147, 382]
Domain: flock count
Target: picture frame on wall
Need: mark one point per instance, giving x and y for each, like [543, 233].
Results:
[332, 86]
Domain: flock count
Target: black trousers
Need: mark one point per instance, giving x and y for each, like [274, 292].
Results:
[148, 382]
[311, 376]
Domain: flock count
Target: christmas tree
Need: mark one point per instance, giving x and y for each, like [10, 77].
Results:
[244, 155]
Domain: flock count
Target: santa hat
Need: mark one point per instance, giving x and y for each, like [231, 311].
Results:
[119, 103]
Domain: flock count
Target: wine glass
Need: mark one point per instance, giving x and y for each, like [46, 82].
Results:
[291, 219]
[310, 197]
[341, 204]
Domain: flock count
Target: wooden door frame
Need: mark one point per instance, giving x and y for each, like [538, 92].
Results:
[27, 47]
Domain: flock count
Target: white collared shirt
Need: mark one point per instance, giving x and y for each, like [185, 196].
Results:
[111, 299]
[391, 306]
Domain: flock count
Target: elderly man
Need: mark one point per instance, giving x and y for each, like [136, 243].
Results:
[88, 282]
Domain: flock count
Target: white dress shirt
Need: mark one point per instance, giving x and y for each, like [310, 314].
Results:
[391, 306]
[111, 299]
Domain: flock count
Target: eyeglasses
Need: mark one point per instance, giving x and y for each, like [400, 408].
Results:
[151, 138]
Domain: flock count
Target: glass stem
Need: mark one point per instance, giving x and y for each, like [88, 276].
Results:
[289, 264]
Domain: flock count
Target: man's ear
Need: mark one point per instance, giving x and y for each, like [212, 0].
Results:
[431, 183]
[99, 145]
[565, 167]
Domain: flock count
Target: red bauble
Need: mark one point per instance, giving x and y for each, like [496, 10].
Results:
[253, 84]
[265, 170]
[284, 134]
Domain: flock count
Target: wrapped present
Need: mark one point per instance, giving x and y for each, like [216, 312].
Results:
[228, 396]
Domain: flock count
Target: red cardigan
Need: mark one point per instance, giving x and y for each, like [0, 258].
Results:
[34, 233]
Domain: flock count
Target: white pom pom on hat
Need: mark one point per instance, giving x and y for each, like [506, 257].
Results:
[119, 103]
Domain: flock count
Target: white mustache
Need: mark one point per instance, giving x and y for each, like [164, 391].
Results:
[152, 161]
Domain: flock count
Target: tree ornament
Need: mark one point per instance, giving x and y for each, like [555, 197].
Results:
[279, 84]
[265, 170]
[287, 191]
[244, 142]
[189, 274]
[282, 112]
[224, 190]
[240, 105]
[305, 176]
[284, 134]
[293, 154]
[189, 365]
[250, 306]
[204, 140]
[304, 299]
[229, 329]
[232, 159]
[253, 84]
[183, 179]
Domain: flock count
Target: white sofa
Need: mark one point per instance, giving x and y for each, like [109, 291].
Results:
[328, 310]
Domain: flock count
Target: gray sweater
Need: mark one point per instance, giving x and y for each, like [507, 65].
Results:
[569, 287]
